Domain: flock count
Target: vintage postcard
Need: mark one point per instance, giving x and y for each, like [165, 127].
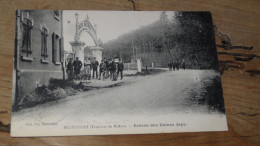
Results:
[115, 72]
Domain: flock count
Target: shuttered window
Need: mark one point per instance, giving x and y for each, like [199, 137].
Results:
[55, 48]
[44, 49]
[26, 45]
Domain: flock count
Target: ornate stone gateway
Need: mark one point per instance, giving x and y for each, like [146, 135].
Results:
[78, 46]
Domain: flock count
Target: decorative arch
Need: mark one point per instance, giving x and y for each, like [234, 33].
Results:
[86, 26]
[77, 45]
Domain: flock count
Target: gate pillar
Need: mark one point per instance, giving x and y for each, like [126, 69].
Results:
[78, 49]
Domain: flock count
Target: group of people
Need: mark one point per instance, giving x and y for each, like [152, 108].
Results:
[73, 68]
[107, 69]
[112, 68]
[176, 65]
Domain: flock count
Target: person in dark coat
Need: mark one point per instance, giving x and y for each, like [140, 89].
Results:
[173, 65]
[177, 65]
[120, 68]
[102, 69]
[94, 65]
[170, 66]
[77, 64]
[70, 69]
[87, 68]
[183, 64]
[113, 70]
[106, 62]
[107, 68]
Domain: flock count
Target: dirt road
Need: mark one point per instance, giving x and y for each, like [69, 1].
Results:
[164, 93]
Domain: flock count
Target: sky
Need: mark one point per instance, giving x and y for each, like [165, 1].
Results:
[110, 24]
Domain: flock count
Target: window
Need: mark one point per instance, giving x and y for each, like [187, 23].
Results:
[56, 49]
[44, 47]
[57, 14]
[27, 25]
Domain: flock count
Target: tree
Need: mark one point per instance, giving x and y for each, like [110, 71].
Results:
[164, 18]
[187, 36]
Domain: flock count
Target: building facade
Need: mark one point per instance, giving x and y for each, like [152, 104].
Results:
[39, 51]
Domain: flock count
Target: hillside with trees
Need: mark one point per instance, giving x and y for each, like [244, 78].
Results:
[186, 36]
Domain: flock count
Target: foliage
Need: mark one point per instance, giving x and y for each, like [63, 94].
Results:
[187, 36]
[57, 89]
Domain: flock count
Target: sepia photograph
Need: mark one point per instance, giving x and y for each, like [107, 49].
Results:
[79, 72]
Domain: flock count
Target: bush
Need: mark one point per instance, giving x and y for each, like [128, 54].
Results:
[55, 83]
[57, 89]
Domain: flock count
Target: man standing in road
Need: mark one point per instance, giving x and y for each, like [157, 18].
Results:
[173, 65]
[94, 66]
[87, 68]
[107, 68]
[70, 69]
[77, 64]
[113, 70]
[102, 69]
[120, 68]
[177, 64]
[170, 66]
[110, 68]
[183, 64]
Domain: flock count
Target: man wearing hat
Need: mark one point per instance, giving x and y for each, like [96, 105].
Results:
[94, 65]
[70, 69]
[107, 68]
[77, 64]
[102, 69]
[87, 68]
[120, 68]
[113, 70]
